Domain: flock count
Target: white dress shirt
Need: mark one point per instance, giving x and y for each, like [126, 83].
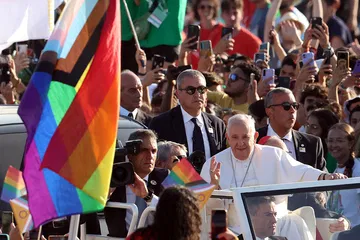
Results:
[189, 130]
[257, 238]
[130, 198]
[287, 139]
[125, 112]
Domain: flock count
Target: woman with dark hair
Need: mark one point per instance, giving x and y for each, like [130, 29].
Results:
[179, 204]
[319, 123]
[341, 141]
[177, 217]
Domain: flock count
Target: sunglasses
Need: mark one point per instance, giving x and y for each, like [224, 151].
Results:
[286, 105]
[191, 90]
[178, 158]
[203, 7]
[233, 78]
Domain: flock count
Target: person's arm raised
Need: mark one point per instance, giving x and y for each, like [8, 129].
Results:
[270, 18]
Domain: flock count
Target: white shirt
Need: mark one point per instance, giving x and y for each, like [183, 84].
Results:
[244, 172]
[125, 112]
[287, 139]
[350, 199]
[257, 238]
[189, 130]
[130, 198]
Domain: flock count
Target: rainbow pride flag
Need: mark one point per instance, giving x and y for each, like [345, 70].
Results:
[14, 185]
[70, 110]
[22, 214]
[184, 174]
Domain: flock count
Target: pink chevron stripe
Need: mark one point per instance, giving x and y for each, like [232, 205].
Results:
[41, 205]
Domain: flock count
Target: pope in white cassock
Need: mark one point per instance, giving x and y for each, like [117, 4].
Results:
[247, 164]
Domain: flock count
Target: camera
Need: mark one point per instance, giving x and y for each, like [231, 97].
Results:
[123, 172]
[4, 70]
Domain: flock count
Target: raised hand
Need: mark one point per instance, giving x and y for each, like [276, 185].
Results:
[214, 172]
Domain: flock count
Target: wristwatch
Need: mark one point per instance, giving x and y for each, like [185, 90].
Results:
[149, 197]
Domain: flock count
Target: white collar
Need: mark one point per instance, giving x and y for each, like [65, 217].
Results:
[272, 133]
[241, 161]
[126, 112]
[257, 238]
[187, 117]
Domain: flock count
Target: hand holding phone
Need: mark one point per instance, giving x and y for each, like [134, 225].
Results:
[308, 59]
[218, 223]
[194, 31]
[157, 61]
[7, 220]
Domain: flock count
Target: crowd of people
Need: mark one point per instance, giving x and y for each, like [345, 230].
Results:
[266, 90]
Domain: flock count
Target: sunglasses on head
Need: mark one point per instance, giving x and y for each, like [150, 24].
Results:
[233, 78]
[203, 7]
[191, 90]
[286, 105]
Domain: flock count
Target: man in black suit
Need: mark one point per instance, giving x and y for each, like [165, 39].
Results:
[281, 108]
[131, 98]
[263, 217]
[187, 124]
[118, 220]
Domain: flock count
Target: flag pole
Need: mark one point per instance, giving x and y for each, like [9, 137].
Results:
[74, 225]
[131, 25]
[40, 233]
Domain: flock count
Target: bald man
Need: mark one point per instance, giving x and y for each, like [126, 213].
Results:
[131, 98]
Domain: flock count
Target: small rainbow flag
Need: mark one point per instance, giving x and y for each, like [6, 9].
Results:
[184, 174]
[71, 111]
[22, 214]
[14, 185]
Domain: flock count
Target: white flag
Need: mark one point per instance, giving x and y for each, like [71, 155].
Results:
[23, 20]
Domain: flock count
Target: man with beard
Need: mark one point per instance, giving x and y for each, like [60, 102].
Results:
[235, 95]
[187, 124]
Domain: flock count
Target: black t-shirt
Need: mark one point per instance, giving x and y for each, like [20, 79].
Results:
[337, 28]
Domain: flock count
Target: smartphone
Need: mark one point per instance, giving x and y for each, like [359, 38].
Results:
[205, 48]
[7, 219]
[265, 46]
[22, 48]
[158, 61]
[227, 30]
[283, 82]
[252, 78]
[308, 57]
[343, 59]
[259, 57]
[58, 237]
[356, 67]
[4, 237]
[316, 21]
[218, 223]
[327, 57]
[268, 73]
[34, 234]
[194, 31]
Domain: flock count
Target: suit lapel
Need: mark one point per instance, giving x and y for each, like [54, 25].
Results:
[210, 134]
[139, 116]
[297, 139]
[178, 126]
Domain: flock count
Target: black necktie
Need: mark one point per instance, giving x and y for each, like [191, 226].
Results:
[198, 141]
[130, 115]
